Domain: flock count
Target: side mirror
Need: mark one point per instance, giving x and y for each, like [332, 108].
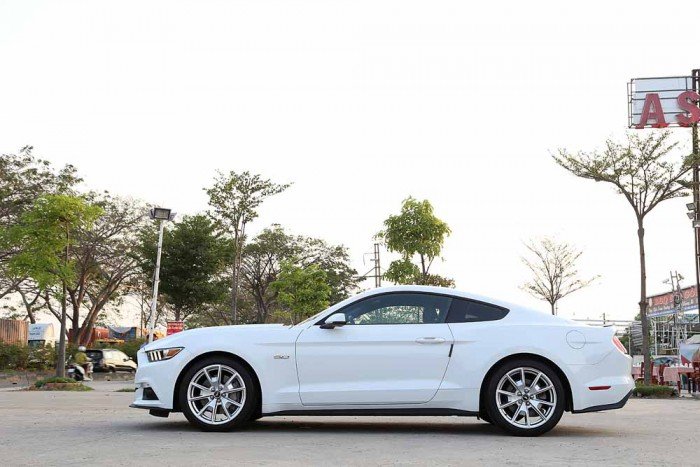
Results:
[335, 320]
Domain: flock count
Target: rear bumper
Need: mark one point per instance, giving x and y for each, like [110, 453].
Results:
[604, 386]
[600, 408]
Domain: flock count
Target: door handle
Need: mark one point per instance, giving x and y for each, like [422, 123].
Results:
[430, 340]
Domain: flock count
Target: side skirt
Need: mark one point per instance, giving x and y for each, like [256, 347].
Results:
[376, 412]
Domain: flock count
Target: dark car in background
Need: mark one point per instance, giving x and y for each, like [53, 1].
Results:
[111, 360]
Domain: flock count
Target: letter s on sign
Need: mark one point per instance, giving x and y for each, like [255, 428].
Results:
[688, 101]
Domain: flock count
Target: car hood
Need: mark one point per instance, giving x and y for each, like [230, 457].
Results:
[243, 331]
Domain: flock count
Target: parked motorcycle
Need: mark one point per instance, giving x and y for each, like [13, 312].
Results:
[77, 372]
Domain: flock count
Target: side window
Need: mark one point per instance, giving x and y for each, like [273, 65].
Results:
[399, 308]
[466, 311]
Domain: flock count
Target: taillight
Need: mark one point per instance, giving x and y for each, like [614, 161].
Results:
[619, 345]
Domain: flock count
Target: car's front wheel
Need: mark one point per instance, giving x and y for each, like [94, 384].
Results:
[218, 394]
[525, 397]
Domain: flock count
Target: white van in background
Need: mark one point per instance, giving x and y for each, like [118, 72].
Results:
[41, 334]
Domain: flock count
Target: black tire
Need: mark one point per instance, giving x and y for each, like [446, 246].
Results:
[498, 418]
[485, 417]
[246, 413]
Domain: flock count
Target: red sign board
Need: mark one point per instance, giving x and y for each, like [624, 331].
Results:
[663, 102]
[665, 304]
[175, 327]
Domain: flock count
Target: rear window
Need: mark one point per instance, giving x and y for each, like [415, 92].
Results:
[466, 311]
[94, 354]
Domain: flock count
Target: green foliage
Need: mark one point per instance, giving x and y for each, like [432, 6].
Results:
[58, 383]
[13, 356]
[54, 379]
[22, 357]
[23, 178]
[193, 258]
[235, 197]
[416, 231]
[402, 271]
[436, 281]
[643, 169]
[126, 390]
[42, 357]
[653, 390]
[302, 291]
[42, 236]
[646, 172]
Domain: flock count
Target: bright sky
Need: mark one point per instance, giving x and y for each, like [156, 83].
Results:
[361, 104]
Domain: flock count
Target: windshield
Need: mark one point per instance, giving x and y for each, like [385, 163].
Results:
[312, 318]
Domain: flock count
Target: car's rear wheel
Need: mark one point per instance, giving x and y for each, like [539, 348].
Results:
[218, 394]
[525, 397]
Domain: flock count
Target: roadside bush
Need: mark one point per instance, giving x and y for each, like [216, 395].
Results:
[42, 358]
[22, 357]
[55, 383]
[654, 390]
[13, 356]
[54, 379]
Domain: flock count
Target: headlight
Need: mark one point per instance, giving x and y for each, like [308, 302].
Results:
[159, 355]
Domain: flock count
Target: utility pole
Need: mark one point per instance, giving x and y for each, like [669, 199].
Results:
[376, 271]
[377, 267]
[696, 191]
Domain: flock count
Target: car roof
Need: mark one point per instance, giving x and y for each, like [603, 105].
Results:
[437, 290]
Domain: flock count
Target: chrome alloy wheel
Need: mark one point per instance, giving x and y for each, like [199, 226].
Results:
[216, 394]
[526, 397]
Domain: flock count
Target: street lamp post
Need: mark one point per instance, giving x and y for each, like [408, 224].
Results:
[161, 215]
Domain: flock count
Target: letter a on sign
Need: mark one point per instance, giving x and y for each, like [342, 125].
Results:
[652, 111]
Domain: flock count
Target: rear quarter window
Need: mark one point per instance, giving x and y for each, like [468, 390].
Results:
[467, 311]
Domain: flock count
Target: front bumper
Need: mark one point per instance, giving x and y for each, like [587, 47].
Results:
[160, 378]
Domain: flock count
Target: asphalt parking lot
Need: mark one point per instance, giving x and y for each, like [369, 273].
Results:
[98, 427]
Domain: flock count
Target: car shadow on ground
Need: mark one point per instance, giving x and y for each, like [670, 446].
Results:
[278, 425]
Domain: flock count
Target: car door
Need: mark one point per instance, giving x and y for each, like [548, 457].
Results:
[122, 360]
[394, 349]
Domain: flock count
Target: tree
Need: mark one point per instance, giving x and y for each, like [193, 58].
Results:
[42, 238]
[106, 261]
[262, 260]
[191, 265]
[302, 291]
[646, 172]
[235, 199]
[264, 255]
[416, 231]
[333, 260]
[23, 178]
[553, 268]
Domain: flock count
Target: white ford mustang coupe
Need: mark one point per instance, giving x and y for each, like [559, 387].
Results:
[408, 350]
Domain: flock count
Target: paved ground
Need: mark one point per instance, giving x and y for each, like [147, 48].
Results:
[50, 428]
